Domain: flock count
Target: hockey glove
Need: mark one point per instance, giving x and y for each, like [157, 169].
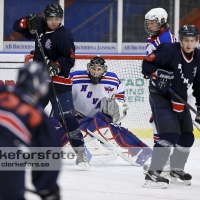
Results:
[49, 195]
[162, 79]
[53, 68]
[197, 118]
[32, 22]
[114, 108]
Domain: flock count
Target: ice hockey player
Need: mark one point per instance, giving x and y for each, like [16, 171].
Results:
[58, 47]
[23, 123]
[98, 97]
[157, 26]
[177, 66]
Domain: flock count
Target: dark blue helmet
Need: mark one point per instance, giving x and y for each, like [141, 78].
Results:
[32, 79]
[188, 30]
[53, 10]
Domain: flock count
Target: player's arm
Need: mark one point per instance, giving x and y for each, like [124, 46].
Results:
[196, 92]
[66, 50]
[156, 66]
[159, 59]
[115, 107]
[25, 25]
[120, 91]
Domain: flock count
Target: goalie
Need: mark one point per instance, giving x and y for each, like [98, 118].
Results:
[98, 97]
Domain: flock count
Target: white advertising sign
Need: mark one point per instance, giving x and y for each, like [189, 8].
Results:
[81, 47]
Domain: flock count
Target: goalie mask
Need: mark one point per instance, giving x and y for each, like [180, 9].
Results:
[53, 10]
[159, 15]
[32, 79]
[96, 69]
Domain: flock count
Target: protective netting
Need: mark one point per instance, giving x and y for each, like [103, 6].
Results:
[128, 69]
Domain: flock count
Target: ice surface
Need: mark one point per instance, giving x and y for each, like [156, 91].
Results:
[121, 181]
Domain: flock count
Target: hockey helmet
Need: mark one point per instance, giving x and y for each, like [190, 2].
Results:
[53, 10]
[157, 14]
[96, 69]
[32, 79]
[188, 30]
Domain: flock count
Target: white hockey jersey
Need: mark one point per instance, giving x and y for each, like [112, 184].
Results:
[87, 97]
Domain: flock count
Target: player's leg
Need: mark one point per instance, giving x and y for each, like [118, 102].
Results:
[181, 152]
[12, 185]
[74, 133]
[167, 125]
[166, 169]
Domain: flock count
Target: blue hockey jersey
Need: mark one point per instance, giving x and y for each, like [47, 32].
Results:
[171, 57]
[153, 42]
[23, 124]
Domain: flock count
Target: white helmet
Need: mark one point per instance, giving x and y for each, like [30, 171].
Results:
[158, 14]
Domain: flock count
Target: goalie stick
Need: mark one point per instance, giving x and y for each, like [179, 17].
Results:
[52, 84]
[111, 146]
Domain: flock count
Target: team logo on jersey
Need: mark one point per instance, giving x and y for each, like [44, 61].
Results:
[185, 80]
[195, 71]
[108, 89]
[48, 44]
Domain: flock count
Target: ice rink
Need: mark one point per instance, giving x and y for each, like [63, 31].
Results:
[119, 180]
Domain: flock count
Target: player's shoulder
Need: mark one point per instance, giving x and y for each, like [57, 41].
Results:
[166, 37]
[78, 72]
[79, 75]
[63, 30]
[197, 52]
[63, 35]
[111, 74]
[197, 56]
[168, 47]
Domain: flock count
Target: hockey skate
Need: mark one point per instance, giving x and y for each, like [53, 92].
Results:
[82, 160]
[154, 180]
[166, 170]
[178, 176]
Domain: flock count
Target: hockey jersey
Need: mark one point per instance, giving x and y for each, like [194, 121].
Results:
[58, 46]
[153, 42]
[87, 96]
[23, 124]
[170, 57]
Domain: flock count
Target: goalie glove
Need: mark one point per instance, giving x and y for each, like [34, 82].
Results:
[32, 22]
[197, 118]
[54, 68]
[162, 79]
[114, 108]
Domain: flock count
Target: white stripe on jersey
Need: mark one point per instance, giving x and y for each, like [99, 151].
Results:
[87, 97]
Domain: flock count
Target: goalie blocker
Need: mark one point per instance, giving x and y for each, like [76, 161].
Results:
[114, 137]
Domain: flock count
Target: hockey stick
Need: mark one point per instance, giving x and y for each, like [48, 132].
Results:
[186, 103]
[52, 84]
[111, 146]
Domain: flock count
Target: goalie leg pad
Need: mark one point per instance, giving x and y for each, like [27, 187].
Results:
[145, 154]
[121, 138]
[83, 124]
